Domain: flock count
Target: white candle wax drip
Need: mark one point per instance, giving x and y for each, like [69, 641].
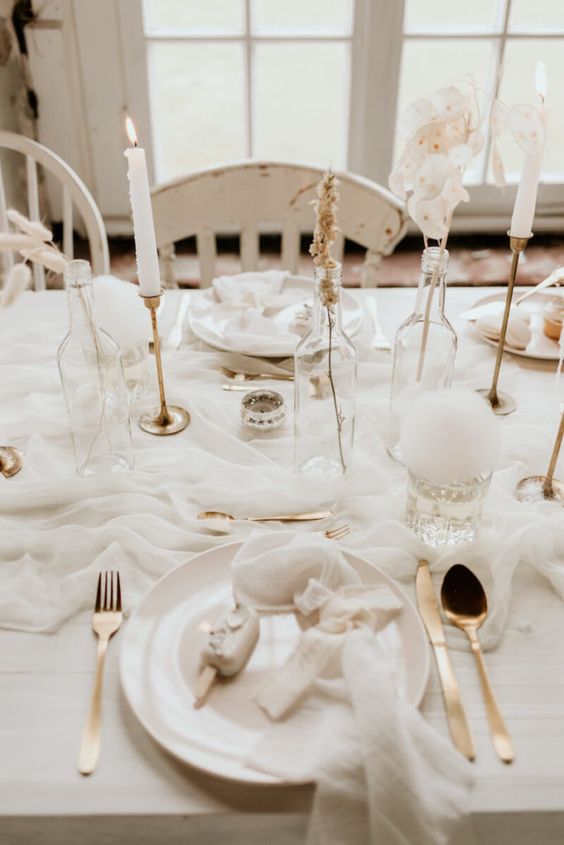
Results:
[148, 271]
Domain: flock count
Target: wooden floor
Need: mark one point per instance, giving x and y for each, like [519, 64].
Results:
[474, 260]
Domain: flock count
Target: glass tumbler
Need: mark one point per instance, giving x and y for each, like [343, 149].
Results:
[441, 514]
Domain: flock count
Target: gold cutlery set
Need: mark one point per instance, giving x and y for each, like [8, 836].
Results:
[465, 605]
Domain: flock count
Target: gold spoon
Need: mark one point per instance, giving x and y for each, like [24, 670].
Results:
[11, 461]
[465, 605]
[286, 517]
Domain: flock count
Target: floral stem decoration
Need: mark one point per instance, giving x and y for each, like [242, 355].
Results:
[443, 135]
[324, 236]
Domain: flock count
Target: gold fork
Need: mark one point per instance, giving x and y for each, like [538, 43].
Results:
[253, 376]
[338, 533]
[105, 622]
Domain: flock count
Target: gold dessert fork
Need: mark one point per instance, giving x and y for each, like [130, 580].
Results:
[254, 376]
[338, 533]
[285, 517]
[105, 622]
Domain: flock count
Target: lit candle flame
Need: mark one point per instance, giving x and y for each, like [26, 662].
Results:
[540, 78]
[131, 133]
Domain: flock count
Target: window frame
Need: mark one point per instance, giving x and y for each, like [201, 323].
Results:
[376, 48]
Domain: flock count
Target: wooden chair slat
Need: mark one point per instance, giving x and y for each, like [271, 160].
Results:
[205, 244]
[249, 248]
[4, 227]
[339, 247]
[33, 212]
[290, 247]
[68, 235]
[167, 255]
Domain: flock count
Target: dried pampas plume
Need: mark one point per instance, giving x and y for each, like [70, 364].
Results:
[34, 242]
[31, 227]
[325, 234]
[17, 280]
[50, 257]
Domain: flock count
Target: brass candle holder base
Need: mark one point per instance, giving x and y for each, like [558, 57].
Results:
[164, 419]
[502, 403]
[537, 488]
[11, 461]
[174, 420]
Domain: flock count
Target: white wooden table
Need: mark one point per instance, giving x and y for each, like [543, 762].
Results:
[142, 795]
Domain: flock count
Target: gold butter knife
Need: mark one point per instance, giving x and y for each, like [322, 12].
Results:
[428, 608]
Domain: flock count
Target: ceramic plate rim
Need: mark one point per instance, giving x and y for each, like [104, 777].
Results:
[522, 353]
[248, 776]
[286, 353]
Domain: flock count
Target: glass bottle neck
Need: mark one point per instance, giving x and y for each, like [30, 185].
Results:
[327, 299]
[432, 283]
[82, 313]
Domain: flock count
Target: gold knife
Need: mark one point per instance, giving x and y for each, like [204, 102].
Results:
[428, 608]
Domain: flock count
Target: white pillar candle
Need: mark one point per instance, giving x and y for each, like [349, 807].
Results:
[148, 271]
[526, 199]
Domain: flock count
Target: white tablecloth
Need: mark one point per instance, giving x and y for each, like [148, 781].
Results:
[64, 529]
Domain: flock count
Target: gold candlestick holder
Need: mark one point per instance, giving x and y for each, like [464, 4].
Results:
[11, 461]
[166, 419]
[503, 403]
[535, 488]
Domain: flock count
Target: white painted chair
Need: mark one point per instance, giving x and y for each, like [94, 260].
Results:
[75, 194]
[250, 197]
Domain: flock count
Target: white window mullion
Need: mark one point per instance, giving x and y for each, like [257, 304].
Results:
[375, 79]
[137, 82]
[496, 82]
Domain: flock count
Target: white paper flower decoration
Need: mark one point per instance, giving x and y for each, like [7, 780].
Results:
[443, 135]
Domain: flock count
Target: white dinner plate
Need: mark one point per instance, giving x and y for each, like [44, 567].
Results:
[540, 346]
[159, 663]
[205, 324]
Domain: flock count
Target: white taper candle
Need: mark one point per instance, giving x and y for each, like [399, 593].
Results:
[148, 271]
[526, 199]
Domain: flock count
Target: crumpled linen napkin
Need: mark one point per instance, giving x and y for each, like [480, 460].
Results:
[251, 331]
[248, 301]
[383, 775]
[255, 289]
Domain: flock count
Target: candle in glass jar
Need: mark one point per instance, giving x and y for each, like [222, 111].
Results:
[526, 199]
[148, 271]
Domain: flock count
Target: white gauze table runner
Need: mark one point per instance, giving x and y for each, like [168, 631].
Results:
[57, 530]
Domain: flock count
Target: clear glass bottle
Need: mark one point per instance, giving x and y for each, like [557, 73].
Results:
[93, 383]
[324, 387]
[423, 358]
